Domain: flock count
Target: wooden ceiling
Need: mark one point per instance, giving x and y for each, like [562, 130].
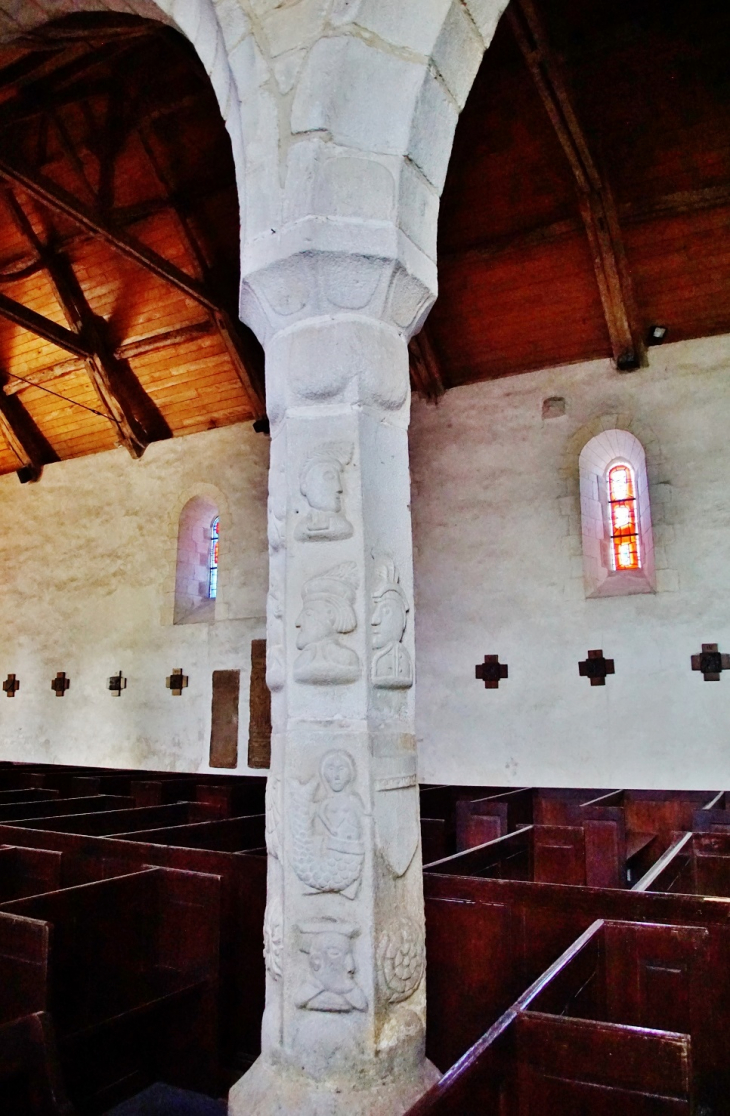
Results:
[588, 195]
[118, 246]
[588, 198]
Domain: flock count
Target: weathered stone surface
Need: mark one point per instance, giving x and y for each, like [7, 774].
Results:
[349, 89]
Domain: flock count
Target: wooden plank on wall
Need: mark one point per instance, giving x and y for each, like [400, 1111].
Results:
[224, 719]
[259, 730]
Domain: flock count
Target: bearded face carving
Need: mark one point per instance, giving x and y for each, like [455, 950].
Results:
[330, 983]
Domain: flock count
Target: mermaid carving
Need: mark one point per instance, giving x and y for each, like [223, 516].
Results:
[327, 828]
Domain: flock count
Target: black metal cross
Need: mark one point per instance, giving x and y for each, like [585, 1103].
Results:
[60, 683]
[491, 671]
[177, 682]
[596, 667]
[117, 683]
[11, 685]
[711, 662]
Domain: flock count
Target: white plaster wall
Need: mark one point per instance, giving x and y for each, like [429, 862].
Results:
[498, 570]
[88, 573]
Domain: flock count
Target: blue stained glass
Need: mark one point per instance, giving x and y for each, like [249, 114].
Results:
[213, 560]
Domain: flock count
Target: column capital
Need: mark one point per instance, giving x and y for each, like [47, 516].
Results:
[357, 235]
[319, 270]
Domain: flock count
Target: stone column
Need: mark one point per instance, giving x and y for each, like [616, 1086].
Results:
[344, 1024]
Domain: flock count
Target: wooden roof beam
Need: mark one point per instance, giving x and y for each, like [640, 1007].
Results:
[59, 200]
[597, 207]
[128, 350]
[245, 355]
[25, 440]
[426, 374]
[44, 327]
[91, 332]
[111, 380]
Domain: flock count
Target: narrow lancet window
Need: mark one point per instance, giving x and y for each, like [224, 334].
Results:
[624, 521]
[213, 561]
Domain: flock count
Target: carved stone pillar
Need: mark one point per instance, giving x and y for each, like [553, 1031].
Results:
[344, 1023]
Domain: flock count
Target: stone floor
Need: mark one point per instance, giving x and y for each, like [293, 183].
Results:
[164, 1100]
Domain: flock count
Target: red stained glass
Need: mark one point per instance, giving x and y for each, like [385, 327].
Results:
[624, 520]
[213, 561]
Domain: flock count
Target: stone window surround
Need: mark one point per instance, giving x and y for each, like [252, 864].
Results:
[581, 583]
[606, 449]
[187, 542]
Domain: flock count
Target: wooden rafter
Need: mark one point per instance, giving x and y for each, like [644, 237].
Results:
[24, 438]
[43, 327]
[139, 346]
[425, 367]
[111, 380]
[100, 364]
[59, 200]
[56, 198]
[243, 354]
[597, 207]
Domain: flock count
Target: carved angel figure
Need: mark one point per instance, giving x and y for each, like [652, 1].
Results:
[321, 485]
[331, 984]
[326, 828]
[392, 668]
[327, 612]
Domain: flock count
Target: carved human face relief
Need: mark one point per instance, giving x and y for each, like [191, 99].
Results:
[337, 771]
[316, 621]
[322, 486]
[321, 483]
[331, 984]
[388, 620]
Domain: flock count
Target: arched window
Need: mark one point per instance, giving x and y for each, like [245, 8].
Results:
[623, 518]
[213, 560]
[196, 574]
[618, 546]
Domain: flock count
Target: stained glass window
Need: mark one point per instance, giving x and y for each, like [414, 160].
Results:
[213, 560]
[623, 516]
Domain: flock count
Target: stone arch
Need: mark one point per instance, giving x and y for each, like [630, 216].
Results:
[341, 117]
[370, 105]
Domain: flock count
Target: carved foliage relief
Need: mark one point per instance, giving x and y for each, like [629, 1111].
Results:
[401, 959]
[392, 668]
[273, 938]
[327, 837]
[328, 612]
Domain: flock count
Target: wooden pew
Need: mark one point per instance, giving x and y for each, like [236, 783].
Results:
[130, 981]
[664, 812]
[696, 864]
[225, 835]
[493, 937]
[611, 1026]
[26, 794]
[483, 819]
[55, 807]
[124, 820]
[439, 805]
[592, 854]
[28, 871]
[555, 805]
[243, 900]
[30, 1077]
